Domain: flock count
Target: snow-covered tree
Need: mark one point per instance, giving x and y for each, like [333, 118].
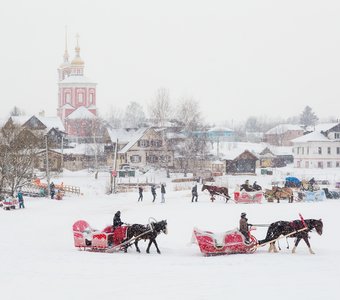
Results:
[308, 117]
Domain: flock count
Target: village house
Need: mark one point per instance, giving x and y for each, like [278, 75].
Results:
[282, 135]
[146, 148]
[318, 149]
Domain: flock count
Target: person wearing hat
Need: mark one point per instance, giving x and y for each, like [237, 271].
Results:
[244, 227]
[116, 220]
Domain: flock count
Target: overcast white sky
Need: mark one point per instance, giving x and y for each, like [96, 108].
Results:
[237, 58]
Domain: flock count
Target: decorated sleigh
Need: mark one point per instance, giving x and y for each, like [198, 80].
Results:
[229, 242]
[318, 195]
[8, 204]
[248, 197]
[106, 240]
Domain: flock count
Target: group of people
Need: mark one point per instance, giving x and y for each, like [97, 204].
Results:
[55, 193]
[153, 192]
[8, 200]
[250, 188]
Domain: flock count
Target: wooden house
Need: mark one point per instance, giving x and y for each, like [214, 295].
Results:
[244, 163]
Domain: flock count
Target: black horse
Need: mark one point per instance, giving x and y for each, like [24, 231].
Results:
[146, 232]
[293, 229]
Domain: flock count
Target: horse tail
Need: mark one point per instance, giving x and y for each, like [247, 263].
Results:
[269, 235]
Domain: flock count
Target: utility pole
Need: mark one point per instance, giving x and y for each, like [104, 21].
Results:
[47, 169]
[115, 167]
[62, 153]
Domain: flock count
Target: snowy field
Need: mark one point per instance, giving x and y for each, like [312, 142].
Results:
[39, 261]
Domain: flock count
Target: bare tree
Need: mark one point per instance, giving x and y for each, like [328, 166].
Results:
[16, 111]
[193, 149]
[134, 115]
[160, 108]
[115, 117]
[18, 151]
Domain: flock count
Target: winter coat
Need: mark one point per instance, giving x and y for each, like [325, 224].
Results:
[194, 190]
[117, 221]
[163, 189]
[153, 190]
[244, 225]
[140, 189]
[20, 197]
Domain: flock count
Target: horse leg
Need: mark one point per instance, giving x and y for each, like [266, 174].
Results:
[296, 244]
[158, 251]
[274, 248]
[136, 245]
[148, 248]
[270, 247]
[305, 238]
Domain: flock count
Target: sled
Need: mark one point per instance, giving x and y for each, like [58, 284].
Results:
[229, 242]
[248, 197]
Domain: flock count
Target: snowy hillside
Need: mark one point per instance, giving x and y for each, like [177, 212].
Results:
[39, 260]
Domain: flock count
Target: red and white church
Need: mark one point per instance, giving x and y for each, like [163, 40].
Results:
[76, 96]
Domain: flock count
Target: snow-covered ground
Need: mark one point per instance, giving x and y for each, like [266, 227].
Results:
[39, 261]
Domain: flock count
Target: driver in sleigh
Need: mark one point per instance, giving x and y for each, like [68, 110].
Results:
[244, 227]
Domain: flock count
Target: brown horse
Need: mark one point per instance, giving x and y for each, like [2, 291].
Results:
[279, 193]
[216, 190]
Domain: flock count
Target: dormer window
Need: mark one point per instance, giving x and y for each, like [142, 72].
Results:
[337, 135]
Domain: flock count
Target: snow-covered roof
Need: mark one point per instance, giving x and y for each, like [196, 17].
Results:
[282, 128]
[84, 149]
[20, 120]
[3, 121]
[314, 136]
[325, 126]
[175, 135]
[124, 135]
[138, 135]
[77, 79]
[220, 129]
[81, 113]
[52, 122]
[67, 105]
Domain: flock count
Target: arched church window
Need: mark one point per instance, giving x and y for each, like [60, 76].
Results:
[68, 98]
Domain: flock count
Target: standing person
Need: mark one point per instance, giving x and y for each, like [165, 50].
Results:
[194, 193]
[140, 190]
[21, 200]
[116, 220]
[163, 192]
[52, 190]
[244, 227]
[153, 192]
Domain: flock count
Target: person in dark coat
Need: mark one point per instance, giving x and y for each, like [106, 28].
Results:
[163, 192]
[153, 192]
[194, 193]
[140, 190]
[244, 227]
[52, 190]
[116, 220]
[21, 200]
